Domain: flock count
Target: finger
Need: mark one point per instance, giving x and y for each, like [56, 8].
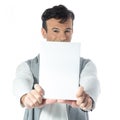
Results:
[27, 102]
[48, 101]
[81, 98]
[84, 104]
[38, 89]
[36, 97]
[30, 102]
[60, 101]
[69, 102]
[74, 104]
[88, 106]
[80, 91]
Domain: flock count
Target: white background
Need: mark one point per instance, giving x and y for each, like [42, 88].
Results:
[97, 27]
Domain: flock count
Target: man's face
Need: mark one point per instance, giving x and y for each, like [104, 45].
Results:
[57, 31]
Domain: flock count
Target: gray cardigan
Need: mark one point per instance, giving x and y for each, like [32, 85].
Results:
[73, 113]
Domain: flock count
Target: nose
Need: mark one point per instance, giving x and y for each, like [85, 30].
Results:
[63, 37]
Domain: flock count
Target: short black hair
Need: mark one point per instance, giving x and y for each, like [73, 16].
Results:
[59, 12]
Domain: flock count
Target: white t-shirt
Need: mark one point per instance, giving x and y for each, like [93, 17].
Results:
[54, 112]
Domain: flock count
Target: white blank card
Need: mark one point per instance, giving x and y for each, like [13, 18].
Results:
[59, 69]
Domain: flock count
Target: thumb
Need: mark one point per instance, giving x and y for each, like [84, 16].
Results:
[80, 91]
[38, 88]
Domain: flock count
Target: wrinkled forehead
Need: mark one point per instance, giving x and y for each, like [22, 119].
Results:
[57, 23]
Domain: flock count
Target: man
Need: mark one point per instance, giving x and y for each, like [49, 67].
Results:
[57, 25]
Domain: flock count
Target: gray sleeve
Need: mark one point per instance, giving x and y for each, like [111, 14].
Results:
[89, 80]
[23, 81]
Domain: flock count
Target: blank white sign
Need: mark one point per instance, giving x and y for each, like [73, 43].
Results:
[59, 69]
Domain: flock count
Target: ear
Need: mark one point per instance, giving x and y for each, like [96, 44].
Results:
[43, 32]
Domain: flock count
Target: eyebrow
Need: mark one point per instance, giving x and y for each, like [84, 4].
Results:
[69, 28]
[58, 28]
[54, 28]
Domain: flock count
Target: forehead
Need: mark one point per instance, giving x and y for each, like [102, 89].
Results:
[56, 23]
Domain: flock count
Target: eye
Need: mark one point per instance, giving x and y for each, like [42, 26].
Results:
[68, 30]
[55, 30]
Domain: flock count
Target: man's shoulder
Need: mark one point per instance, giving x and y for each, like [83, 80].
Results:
[33, 60]
[33, 64]
[83, 62]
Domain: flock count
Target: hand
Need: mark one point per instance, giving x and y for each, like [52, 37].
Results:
[35, 98]
[83, 100]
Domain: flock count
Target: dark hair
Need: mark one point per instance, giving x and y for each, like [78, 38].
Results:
[57, 12]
